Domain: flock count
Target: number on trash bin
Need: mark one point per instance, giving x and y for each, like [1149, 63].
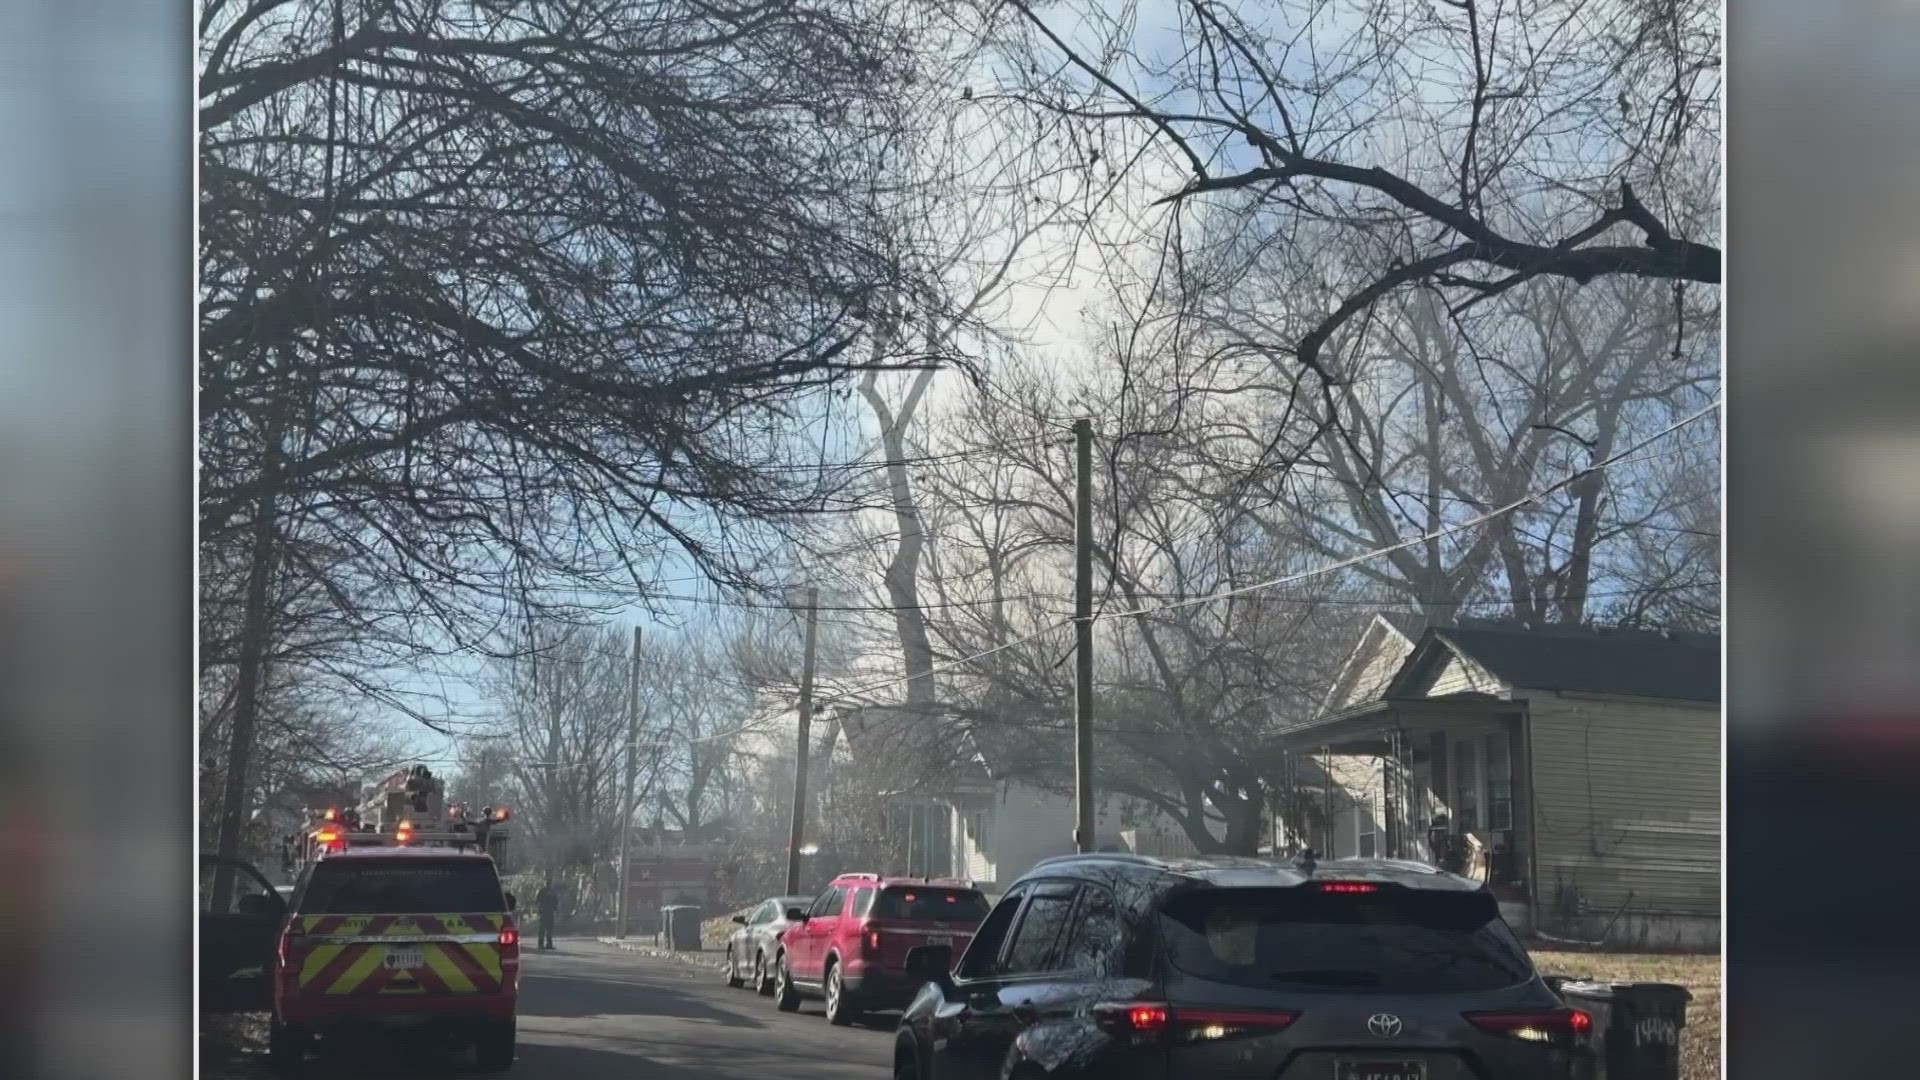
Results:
[1655, 1029]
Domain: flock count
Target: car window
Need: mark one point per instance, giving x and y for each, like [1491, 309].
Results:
[761, 914]
[425, 886]
[828, 904]
[984, 951]
[921, 904]
[862, 902]
[786, 903]
[1392, 941]
[1036, 939]
[1095, 940]
[246, 882]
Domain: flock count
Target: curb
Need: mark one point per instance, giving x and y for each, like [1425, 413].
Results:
[702, 959]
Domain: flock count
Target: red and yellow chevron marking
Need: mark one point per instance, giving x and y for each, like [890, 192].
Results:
[352, 961]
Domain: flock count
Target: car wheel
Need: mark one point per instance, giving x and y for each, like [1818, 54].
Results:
[733, 971]
[286, 1047]
[906, 1063]
[493, 1050]
[786, 997]
[762, 979]
[839, 1010]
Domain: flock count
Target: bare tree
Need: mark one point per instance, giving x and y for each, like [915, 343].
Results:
[501, 304]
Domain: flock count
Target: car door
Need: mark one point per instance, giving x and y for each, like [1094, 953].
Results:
[806, 943]
[237, 942]
[997, 1004]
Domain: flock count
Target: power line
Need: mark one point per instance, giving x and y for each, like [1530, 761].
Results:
[1436, 534]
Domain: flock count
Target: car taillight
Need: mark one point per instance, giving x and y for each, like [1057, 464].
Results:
[1557, 1026]
[1144, 1020]
[510, 937]
[1349, 887]
[872, 941]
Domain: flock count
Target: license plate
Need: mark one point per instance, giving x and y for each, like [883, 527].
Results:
[405, 959]
[1379, 1070]
[947, 941]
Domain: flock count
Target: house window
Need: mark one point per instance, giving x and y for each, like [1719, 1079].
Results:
[1368, 844]
[976, 823]
[1499, 783]
[1466, 785]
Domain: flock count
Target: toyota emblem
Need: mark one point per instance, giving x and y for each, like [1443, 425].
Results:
[1383, 1025]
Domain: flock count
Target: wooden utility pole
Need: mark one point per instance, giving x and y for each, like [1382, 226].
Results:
[626, 791]
[805, 711]
[1083, 635]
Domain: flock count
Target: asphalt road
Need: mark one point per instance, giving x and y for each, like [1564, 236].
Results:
[593, 1012]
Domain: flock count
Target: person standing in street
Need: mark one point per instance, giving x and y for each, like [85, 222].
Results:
[547, 902]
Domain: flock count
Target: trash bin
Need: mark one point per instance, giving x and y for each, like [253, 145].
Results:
[680, 925]
[1636, 1027]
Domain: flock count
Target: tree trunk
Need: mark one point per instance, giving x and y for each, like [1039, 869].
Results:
[254, 631]
[903, 570]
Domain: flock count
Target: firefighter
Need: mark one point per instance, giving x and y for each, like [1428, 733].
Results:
[547, 902]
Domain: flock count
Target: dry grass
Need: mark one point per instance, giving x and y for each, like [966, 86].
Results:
[1700, 1042]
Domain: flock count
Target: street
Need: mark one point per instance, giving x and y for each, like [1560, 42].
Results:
[593, 1012]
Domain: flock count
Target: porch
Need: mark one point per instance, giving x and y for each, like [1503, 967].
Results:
[1409, 779]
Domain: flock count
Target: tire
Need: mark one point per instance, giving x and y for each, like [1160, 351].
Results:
[493, 1050]
[786, 997]
[762, 978]
[840, 1010]
[734, 981]
[286, 1047]
[906, 1063]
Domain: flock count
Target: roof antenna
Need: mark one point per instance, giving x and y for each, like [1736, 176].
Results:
[1304, 862]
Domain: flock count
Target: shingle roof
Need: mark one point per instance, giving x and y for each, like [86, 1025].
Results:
[1637, 663]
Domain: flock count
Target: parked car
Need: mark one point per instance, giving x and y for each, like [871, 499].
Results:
[1118, 966]
[849, 947]
[756, 941]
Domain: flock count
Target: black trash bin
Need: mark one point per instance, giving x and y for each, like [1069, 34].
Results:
[680, 924]
[1636, 1027]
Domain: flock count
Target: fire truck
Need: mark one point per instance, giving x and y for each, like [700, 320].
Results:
[408, 808]
[399, 921]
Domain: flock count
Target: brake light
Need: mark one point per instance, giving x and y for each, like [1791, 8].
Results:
[1348, 887]
[910, 897]
[509, 936]
[404, 833]
[1554, 1026]
[1149, 1020]
[873, 941]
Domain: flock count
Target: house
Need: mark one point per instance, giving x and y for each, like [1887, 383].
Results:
[967, 805]
[1589, 760]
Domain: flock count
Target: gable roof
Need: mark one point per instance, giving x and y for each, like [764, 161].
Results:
[1384, 625]
[1635, 663]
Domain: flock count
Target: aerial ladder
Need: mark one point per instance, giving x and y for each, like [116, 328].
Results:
[406, 809]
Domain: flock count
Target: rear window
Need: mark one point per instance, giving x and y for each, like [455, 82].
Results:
[424, 887]
[930, 905]
[1393, 941]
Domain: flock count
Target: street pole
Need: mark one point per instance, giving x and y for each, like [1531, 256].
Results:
[626, 793]
[1083, 635]
[800, 748]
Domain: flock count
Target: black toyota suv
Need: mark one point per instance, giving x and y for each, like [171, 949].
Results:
[1124, 967]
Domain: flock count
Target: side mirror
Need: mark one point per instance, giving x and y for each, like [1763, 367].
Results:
[741, 919]
[931, 963]
[263, 905]
[511, 902]
[794, 914]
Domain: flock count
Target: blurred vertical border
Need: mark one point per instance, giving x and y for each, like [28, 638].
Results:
[1823, 537]
[96, 570]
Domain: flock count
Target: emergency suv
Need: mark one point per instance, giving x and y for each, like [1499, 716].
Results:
[849, 947]
[398, 920]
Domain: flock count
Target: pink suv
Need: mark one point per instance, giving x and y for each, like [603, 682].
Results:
[849, 947]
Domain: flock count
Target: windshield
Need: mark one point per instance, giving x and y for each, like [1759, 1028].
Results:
[930, 905]
[465, 886]
[1394, 941]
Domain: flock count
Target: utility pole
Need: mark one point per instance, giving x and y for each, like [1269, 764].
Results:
[800, 748]
[1083, 635]
[626, 792]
